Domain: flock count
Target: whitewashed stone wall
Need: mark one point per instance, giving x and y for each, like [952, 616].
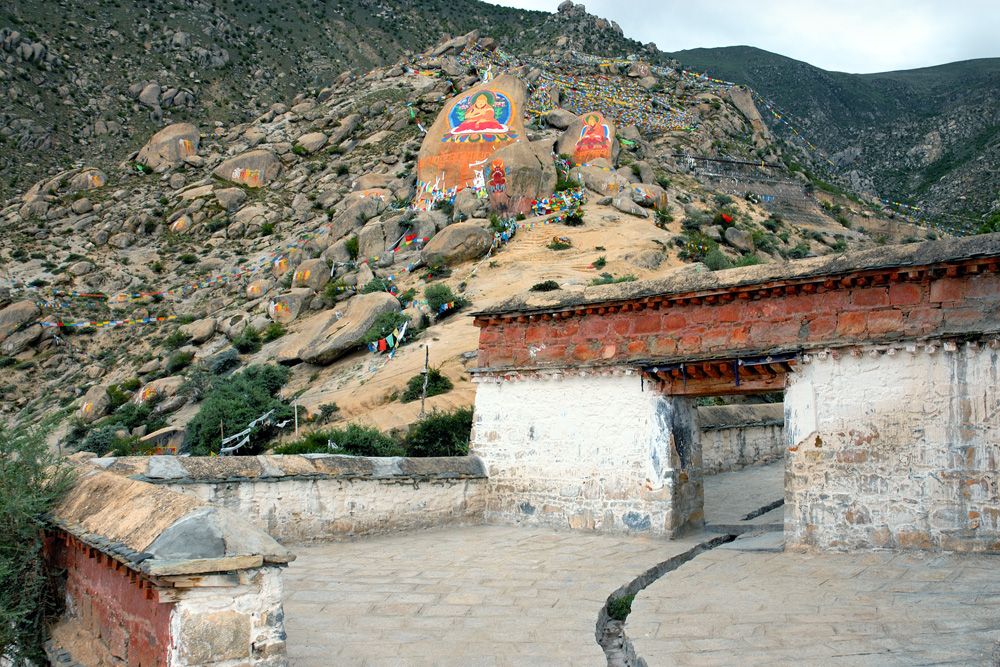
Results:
[592, 452]
[303, 510]
[895, 448]
[737, 436]
[228, 620]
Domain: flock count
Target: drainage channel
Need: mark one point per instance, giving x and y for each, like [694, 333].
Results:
[611, 632]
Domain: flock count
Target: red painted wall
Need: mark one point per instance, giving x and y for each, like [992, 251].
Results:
[896, 309]
[109, 602]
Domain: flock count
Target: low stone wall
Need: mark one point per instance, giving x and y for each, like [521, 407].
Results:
[588, 450]
[737, 436]
[156, 578]
[323, 496]
[895, 447]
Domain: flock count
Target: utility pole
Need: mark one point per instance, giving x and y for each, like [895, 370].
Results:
[423, 394]
[296, 404]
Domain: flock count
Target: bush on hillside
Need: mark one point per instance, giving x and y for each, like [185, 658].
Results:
[353, 440]
[234, 401]
[441, 434]
[436, 384]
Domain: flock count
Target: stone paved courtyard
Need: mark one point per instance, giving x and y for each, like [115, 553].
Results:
[510, 596]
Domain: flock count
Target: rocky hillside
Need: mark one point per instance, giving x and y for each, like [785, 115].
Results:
[344, 217]
[85, 83]
[928, 137]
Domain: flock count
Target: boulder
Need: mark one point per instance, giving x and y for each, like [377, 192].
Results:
[200, 330]
[286, 307]
[650, 195]
[15, 315]
[230, 198]
[311, 142]
[312, 273]
[332, 337]
[625, 204]
[258, 288]
[601, 179]
[458, 243]
[233, 325]
[165, 388]
[469, 129]
[95, 404]
[87, 179]
[560, 118]
[82, 206]
[169, 146]
[18, 342]
[591, 137]
[150, 95]
[516, 175]
[739, 239]
[253, 168]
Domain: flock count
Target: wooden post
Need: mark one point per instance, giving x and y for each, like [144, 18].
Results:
[423, 393]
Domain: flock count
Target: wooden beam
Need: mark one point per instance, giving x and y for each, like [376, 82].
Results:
[760, 384]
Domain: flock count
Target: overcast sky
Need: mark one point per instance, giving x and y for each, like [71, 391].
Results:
[858, 36]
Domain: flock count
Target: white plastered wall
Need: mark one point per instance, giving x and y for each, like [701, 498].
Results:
[592, 452]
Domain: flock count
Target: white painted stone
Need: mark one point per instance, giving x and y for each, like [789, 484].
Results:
[595, 453]
[896, 451]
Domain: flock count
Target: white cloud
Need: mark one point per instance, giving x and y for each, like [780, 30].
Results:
[848, 35]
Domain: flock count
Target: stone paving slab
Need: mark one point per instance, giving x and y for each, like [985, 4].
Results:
[873, 608]
[729, 496]
[470, 595]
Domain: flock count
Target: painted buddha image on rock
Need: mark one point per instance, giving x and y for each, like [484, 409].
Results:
[482, 116]
[595, 139]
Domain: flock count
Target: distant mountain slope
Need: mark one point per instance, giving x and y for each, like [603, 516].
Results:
[929, 135]
[71, 73]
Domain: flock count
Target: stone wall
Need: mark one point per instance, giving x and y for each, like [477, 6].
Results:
[895, 447]
[737, 436]
[593, 452]
[156, 578]
[324, 496]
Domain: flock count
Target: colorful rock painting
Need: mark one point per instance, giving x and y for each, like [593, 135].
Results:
[145, 394]
[250, 177]
[482, 116]
[303, 275]
[280, 265]
[186, 147]
[255, 290]
[279, 311]
[594, 141]
[179, 225]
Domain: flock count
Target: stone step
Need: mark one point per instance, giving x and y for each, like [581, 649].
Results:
[765, 540]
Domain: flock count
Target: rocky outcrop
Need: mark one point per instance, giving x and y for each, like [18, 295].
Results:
[331, 335]
[457, 243]
[167, 148]
[589, 138]
[253, 168]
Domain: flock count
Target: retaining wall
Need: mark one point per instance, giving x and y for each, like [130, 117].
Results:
[737, 436]
[324, 496]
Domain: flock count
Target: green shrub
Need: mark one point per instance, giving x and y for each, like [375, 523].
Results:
[233, 402]
[178, 362]
[799, 251]
[436, 384]
[407, 296]
[558, 245]
[31, 486]
[326, 411]
[7, 361]
[440, 294]
[376, 285]
[342, 170]
[608, 279]
[384, 325]
[351, 246]
[175, 340]
[131, 384]
[224, 362]
[187, 258]
[545, 286]
[353, 440]
[600, 262]
[574, 219]
[116, 397]
[620, 608]
[441, 434]
[248, 341]
[436, 267]
[563, 184]
[715, 260]
[274, 331]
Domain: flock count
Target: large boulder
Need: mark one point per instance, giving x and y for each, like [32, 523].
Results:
[590, 138]
[330, 337]
[312, 273]
[517, 175]
[311, 142]
[599, 178]
[165, 388]
[230, 198]
[18, 342]
[469, 129]
[253, 168]
[286, 307]
[88, 179]
[168, 147]
[200, 330]
[458, 243]
[95, 404]
[15, 315]
[647, 194]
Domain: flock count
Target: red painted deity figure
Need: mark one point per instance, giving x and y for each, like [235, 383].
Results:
[594, 133]
[480, 117]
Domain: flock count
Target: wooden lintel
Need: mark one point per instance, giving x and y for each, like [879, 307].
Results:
[758, 384]
[711, 371]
